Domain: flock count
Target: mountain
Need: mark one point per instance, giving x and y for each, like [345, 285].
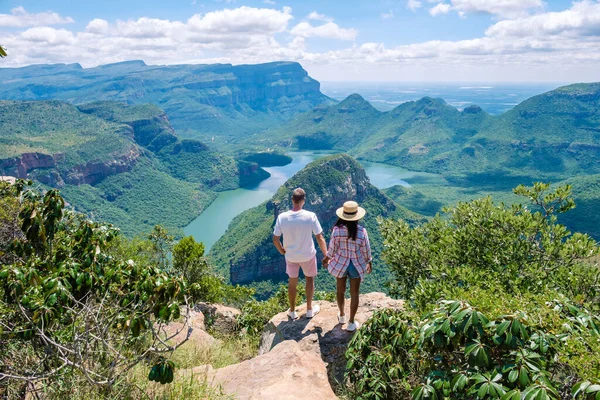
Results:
[202, 101]
[122, 163]
[245, 252]
[551, 136]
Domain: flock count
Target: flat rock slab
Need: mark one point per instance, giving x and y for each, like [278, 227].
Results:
[286, 372]
[323, 335]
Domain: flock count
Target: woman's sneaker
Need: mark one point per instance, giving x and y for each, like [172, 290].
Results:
[315, 310]
[292, 314]
[352, 326]
[341, 318]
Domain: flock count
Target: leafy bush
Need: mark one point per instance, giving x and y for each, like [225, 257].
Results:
[457, 352]
[482, 243]
[68, 307]
[509, 329]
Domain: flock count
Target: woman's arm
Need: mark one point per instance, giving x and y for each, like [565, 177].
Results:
[333, 244]
[366, 248]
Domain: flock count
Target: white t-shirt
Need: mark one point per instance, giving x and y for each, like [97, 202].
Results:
[297, 228]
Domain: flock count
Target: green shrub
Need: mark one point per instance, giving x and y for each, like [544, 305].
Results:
[481, 244]
[522, 321]
[458, 352]
[69, 307]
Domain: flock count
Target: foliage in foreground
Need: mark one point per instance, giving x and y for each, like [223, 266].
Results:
[501, 303]
[69, 307]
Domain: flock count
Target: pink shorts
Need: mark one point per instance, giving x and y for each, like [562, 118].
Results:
[308, 267]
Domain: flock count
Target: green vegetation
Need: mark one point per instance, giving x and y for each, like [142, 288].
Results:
[553, 135]
[215, 103]
[120, 163]
[269, 159]
[501, 304]
[430, 199]
[82, 308]
[69, 309]
[52, 127]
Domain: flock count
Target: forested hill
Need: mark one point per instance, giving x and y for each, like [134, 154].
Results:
[122, 163]
[201, 101]
[246, 253]
[551, 136]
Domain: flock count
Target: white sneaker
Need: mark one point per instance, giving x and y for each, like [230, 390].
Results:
[341, 318]
[315, 310]
[292, 314]
[352, 326]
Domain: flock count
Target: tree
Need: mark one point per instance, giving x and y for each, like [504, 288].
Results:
[68, 308]
[163, 245]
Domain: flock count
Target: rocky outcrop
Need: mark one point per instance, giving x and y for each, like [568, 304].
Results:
[199, 337]
[48, 169]
[219, 317]
[287, 372]
[323, 335]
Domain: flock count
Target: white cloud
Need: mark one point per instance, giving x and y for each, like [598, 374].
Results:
[581, 20]
[315, 16]
[271, 2]
[97, 26]
[414, 5]
[387, 15]
[329, 30]
[20, 18]
[440, 9]
[501, 8]
[552, 43]
[47, 35]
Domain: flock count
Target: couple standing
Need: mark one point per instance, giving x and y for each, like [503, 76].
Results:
[349, 253]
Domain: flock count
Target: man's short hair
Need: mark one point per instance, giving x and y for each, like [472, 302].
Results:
[298, 196]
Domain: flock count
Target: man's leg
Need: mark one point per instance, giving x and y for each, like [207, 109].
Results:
[341, 294]
[310, 271]
[292, 284]
[310, 291]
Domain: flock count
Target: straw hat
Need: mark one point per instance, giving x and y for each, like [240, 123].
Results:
[351, 211]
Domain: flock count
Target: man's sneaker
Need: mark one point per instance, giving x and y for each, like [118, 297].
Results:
[292, 314]
[315, 310]
[341, 318]
[352, 326]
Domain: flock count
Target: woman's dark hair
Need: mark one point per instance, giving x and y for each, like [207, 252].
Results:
[351, 225]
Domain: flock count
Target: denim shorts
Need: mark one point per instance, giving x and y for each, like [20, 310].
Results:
[351, 271]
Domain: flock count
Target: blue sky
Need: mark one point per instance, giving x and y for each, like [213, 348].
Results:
[380, 40]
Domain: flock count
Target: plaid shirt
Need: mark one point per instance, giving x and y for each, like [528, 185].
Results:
[342, 249]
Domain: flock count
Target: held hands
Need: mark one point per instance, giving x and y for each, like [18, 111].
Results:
[369, 267]
[325, 261]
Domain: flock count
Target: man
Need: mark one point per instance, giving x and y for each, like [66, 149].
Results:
[297, 227]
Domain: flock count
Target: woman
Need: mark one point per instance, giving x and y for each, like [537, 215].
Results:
[349, 255]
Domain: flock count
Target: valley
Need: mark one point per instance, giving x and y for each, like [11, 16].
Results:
[200, 149]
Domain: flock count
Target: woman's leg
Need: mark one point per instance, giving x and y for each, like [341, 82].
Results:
[341, 294]
[354, 291]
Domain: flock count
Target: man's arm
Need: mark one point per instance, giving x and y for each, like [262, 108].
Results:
[278, 245]
[322, 243]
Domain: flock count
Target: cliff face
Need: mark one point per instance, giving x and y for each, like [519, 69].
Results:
[246, 248]
[48, 169]
[215, 100]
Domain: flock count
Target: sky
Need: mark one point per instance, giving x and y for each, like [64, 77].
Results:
[377, 40]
